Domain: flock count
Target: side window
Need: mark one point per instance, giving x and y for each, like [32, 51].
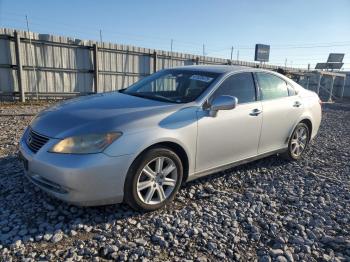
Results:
[240, 85]
[271, 86]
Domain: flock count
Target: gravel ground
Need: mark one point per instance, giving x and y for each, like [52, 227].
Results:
[268, 210]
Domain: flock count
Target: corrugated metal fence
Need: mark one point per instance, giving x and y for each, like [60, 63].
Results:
[45, 65]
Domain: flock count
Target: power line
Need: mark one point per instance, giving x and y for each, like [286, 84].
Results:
[276, 47]
[312, 46]
[181, 45]
[59, 24]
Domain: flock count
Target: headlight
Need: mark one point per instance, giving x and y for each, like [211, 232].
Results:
[86, 144]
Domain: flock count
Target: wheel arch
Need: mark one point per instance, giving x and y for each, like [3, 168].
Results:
[307, 122]
[303, 119]
[177, 148]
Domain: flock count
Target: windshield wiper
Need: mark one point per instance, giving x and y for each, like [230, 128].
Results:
[153, 97]
[165, 98]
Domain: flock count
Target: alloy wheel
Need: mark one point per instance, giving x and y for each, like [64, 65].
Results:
[157, 180]
[299, 141]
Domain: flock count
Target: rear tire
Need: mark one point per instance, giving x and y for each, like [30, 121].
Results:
[153, 179]
[298, 142]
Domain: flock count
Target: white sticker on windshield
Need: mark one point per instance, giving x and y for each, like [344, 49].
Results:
[201, 78]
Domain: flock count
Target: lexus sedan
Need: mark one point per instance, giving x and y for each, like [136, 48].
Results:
[138, 145]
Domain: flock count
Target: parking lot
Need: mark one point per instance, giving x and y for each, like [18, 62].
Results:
[267, 210]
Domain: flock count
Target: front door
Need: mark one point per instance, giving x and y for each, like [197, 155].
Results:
[231, 135]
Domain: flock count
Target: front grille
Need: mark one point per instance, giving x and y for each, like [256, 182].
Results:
[35, 141]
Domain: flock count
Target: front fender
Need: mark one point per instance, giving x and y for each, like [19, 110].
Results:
[134, 144]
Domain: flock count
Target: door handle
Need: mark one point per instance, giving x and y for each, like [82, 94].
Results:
[255, 112]
[297, 104]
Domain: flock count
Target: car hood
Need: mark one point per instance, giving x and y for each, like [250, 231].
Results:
[100, 113]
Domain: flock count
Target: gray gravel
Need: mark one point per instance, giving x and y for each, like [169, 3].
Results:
[269, 210]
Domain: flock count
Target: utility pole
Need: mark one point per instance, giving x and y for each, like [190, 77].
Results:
[33, 60]
[171, 51]
[100, 35]
[231, 52]
[285, 63]
[203, 50]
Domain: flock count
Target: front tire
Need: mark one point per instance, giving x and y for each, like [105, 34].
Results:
[153, 179]
[298, 142]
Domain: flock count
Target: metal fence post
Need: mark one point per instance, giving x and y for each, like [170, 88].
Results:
[19, 66]
[331, 91]
[95, 57]
[319, 84]
[342, 88]
[155, 57]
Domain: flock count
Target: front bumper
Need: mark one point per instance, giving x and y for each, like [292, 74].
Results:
[86, 180]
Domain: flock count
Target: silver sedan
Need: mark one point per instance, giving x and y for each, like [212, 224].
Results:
[138, 145]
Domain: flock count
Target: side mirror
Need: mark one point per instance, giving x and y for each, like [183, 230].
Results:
[222, 103]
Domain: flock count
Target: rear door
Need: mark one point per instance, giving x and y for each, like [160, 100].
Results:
[231, 135]
[281, 107]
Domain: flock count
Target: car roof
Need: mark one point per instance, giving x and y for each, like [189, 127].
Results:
[214, 68]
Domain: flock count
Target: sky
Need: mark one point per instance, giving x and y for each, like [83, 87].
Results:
[298, 31]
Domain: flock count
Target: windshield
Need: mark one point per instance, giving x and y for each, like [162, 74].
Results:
[176, 86]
